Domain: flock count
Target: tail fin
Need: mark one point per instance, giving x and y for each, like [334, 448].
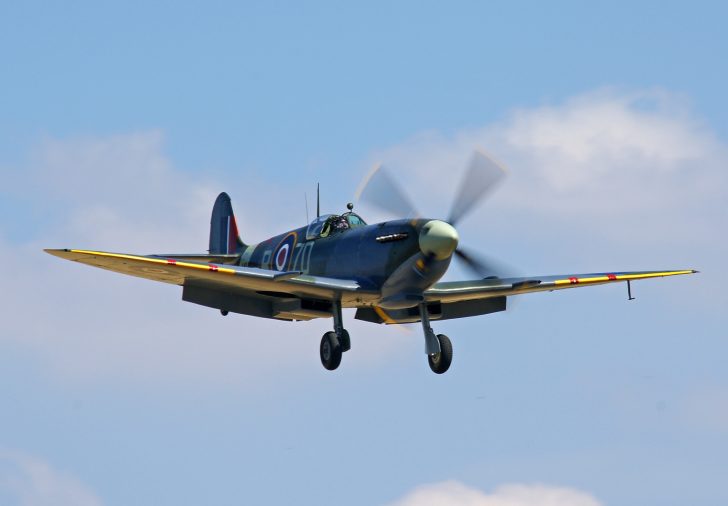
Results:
[224, 238]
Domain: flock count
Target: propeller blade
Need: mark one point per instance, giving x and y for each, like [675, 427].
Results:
[482, 177]
[483, 268]
[382, 191]
[488, 269]
[477, 267]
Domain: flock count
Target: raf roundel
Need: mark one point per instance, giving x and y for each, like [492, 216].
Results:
[282, 254]
[281, 257]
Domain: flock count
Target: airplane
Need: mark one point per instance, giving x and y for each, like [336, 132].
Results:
[389, 272]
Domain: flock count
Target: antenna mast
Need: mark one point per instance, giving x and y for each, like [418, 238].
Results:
[318, 200]
[305, 196]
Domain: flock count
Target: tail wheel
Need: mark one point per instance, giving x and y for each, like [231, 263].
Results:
[440, 362]
[330, 351]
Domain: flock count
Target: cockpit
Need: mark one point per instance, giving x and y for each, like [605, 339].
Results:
[332, 224]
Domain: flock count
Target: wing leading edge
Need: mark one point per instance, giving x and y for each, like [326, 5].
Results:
[486, 288]
[219, 276]
[198, 277]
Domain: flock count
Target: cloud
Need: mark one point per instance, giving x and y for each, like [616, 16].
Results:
[454, 493]
[31, 481]
[122, 193]
[603, 157]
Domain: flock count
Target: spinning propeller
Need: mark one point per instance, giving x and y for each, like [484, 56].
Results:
[480, 179]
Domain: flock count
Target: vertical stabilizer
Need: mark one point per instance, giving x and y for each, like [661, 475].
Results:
[224, 237]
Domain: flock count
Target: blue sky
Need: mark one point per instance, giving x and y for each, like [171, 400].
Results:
[119, 123]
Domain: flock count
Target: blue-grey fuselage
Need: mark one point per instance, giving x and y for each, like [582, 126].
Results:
[376, 256]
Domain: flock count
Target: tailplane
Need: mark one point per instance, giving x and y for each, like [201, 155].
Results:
[224, 237]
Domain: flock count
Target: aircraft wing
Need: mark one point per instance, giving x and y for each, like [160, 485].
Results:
[457, 291]
[273, 293]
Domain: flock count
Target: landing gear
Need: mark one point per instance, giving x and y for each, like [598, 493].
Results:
[440, 362]
[330, 351]
[438, 347]
[333, 344]
[345, 340]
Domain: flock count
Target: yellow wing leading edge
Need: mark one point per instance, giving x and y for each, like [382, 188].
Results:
[485, 288]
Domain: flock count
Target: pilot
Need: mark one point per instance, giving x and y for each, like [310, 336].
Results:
[334, 224]
[340, 223]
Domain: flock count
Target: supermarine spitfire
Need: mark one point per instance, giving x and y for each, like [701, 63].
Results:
[388, 271]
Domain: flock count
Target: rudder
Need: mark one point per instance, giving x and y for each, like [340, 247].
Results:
[224, 237]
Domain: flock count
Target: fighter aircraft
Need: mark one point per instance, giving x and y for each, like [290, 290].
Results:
[390, 271]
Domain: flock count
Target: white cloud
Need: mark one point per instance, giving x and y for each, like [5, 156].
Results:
[604, 158]
[603, 176]
[31, 481]
[454, 493]
[121, 193]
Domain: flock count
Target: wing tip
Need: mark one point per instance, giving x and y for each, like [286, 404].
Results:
[65, 253]
[56, 251]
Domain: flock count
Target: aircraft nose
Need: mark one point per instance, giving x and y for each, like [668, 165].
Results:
[439, 239]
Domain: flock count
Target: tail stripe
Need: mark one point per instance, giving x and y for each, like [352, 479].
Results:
[232, 234]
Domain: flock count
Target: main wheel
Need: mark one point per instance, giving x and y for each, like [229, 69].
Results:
[330, 351]
[440, 362]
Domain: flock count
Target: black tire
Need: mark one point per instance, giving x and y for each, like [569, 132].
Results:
[330, 351]
[345, 340]
[440, 362]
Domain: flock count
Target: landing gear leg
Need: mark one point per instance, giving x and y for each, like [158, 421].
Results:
[333, 344]
[438, 347]
[341, 332]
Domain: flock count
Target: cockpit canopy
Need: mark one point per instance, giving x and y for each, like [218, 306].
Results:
[330, 224]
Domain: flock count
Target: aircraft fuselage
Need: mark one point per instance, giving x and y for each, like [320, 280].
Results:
[370, 254]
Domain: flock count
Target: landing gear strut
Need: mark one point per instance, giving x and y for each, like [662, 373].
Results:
[438, 347]
[333, 344]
